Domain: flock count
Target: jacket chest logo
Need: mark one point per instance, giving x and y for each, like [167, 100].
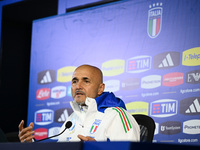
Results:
[95, 125]
[72, 128]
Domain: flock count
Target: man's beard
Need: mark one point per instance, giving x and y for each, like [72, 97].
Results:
[80, 102]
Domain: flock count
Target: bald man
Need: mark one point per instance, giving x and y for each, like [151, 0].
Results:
[97, 116]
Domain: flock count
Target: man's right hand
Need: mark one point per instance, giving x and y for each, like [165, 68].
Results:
[26, 134]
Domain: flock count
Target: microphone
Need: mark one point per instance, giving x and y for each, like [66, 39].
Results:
[68, 124]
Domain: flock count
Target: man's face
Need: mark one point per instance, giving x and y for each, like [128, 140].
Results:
[85, 83]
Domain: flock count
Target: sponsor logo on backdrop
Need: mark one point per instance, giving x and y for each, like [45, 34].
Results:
[170, 127]
[54, 131]
[193, 77]
[157, 128]
[190, 106]
[138, 64]
[166, 60]
[58, 92]
[46, 77]
[193, 140]
[185, 91]
[65, 74]
[150, 82]
[173, 79]
[53, 103]
[191, 57]
[113, 67]
[150, 94]
[130, 84]
[191, 126]
[164, 108]
[154, 20]
[112, 85]
[62, 114]
[69, 92]
[138, 108]
[44, 117]
[41, 133]
[43, 93]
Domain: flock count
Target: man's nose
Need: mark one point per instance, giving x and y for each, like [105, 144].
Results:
[79, 85]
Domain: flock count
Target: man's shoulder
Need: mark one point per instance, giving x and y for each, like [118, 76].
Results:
[116, 110]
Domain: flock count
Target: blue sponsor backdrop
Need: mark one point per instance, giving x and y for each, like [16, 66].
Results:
[149, 52]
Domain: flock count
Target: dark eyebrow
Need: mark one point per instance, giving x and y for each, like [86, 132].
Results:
[74, 79]
[85, 78]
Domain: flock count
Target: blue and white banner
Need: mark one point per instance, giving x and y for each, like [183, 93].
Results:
[149, 52]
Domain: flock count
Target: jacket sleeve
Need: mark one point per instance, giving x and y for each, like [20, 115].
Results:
[123, 127]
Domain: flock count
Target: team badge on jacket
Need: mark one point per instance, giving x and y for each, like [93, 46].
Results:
[95, 126]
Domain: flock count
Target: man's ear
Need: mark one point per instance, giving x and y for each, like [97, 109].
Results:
[101, 88]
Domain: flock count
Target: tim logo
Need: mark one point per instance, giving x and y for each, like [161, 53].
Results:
[193, 77]
[58, 92]
[138, 64]
[164, 108]
[190, 106]
[43, 93]
[173, 79]
[41, 133]
[154, 20]
[166, 60]
[44, 117]
[46, 77]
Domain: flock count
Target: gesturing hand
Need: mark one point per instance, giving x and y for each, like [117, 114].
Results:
[26, 134]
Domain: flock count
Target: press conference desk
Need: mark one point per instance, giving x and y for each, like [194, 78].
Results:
[95, 146]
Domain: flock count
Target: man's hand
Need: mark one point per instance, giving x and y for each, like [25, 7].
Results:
[26, 134]
[85, 138]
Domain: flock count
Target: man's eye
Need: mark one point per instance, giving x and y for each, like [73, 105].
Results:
[74, 81]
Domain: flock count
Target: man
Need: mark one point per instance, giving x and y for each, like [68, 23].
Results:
[97, 116]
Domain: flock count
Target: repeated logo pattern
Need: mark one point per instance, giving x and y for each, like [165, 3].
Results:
[157, 75]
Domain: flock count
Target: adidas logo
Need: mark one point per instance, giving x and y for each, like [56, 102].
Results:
[167, 61]
[194, 107]
[46, 77]
[63, 116]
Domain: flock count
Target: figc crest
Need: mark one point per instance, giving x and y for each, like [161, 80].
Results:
[154, 20]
